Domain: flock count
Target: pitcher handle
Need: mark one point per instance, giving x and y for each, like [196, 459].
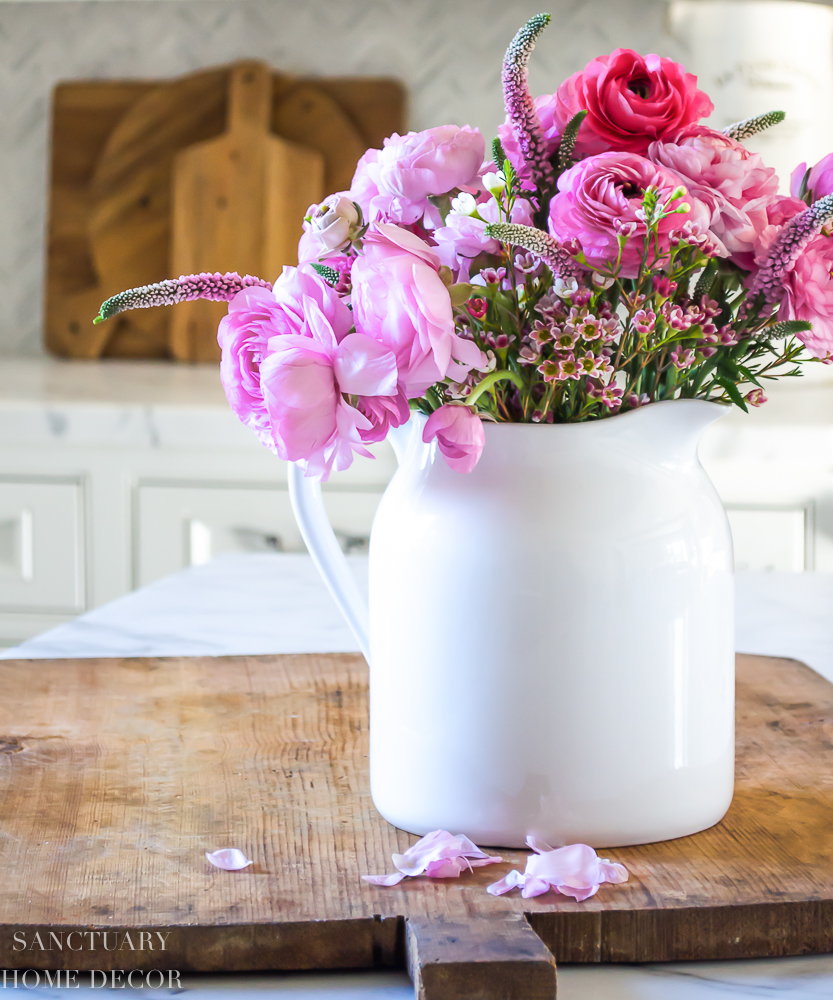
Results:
[322, 545]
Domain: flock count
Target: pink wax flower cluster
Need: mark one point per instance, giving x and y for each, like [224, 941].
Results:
[610, 250]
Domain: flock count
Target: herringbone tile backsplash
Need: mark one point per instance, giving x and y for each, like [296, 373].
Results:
[447, 52]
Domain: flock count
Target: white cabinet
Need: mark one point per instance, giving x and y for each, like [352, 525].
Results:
[179, 524]
[41, 545]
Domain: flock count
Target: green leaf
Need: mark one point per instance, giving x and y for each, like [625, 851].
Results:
[732, 392]
[564, 157]
[460, 293]
[329, 274]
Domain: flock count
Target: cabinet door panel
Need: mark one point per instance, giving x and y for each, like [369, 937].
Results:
[180, 524]
[41, 546]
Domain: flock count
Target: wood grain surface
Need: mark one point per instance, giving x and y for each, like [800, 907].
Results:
[110, 207]
[238, 205]
[117, 775]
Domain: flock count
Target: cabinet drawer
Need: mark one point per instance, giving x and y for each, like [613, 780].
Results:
[182, 524]
[41, 545]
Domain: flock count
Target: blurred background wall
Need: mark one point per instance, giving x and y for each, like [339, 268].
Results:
[751, 55]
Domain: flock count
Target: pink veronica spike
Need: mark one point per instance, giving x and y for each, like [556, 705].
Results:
[217, 287]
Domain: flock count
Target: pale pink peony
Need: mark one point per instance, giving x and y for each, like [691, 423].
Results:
[400, 300]
[462, 238]
[438, 855]
[819, 182]
[394, 184]
[603, 193]
[304, 379]
[733, 184]
[256, 314]
[632, 100]
[575, 871]
[459, 433]
[808, 295]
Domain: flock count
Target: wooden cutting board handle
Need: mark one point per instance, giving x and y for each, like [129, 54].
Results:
[238, 205]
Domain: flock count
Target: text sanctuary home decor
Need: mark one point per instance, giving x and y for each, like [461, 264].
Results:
[614, 253]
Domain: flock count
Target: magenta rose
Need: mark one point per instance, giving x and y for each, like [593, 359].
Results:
[819, 181]
[808, 295]
[394, 184]
[459, 433]
[400, 300]
[603, 193]
[632, 100]
[734, 184]
[256, 314]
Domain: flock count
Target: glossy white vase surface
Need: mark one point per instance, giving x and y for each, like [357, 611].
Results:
[551, 635]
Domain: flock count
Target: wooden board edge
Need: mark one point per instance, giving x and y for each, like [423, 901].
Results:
[303, 945]
[765, 930]
[498, 958]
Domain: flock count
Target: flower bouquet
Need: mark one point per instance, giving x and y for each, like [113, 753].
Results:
[612, 253]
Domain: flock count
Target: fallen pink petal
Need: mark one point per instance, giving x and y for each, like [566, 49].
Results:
[438, 854]
[229, 858]
[575, 871]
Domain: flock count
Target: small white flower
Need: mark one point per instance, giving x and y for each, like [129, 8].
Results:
[463, 204]
[565, 286]
[602, 280]
[495, 183]
[334, 221]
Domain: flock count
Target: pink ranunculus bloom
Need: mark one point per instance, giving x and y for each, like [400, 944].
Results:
[575, 871]
[400, 300]
[394, 184]
[459, 433]
[332, 224]
[819, 182]
[256, 314]
[437, 855]
[304, 379]
[732, 183]
[632, 100]
[808, 295]
[463, 238]
[779, 210]
[602, 194]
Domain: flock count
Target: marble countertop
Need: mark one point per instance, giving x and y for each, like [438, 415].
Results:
[250, 604]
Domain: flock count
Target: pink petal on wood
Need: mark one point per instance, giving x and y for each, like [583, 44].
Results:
[229, 858]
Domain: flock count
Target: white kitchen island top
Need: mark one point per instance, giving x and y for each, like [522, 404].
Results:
[251, 604]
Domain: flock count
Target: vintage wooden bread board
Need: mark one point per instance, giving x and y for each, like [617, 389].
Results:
[117, 775]
[113, 149]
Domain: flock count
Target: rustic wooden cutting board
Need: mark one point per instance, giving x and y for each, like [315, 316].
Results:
[238, 205]
[117, 775]
[110, 207]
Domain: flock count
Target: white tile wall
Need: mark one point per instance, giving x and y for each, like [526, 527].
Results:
[447, 52]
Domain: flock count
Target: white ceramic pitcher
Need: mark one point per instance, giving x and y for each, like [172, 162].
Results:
[551, 638]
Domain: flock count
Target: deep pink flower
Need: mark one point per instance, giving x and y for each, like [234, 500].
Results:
[400, 300]
[734, 184]
[459, 433]
[437, 855]
[631, 100]
[808, 295]
[256, 314]
[393, 184]
[820, 181]
[755, 397]
[603, 193]
[575, 871]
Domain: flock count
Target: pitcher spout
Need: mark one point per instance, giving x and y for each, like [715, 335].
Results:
[672, 427]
